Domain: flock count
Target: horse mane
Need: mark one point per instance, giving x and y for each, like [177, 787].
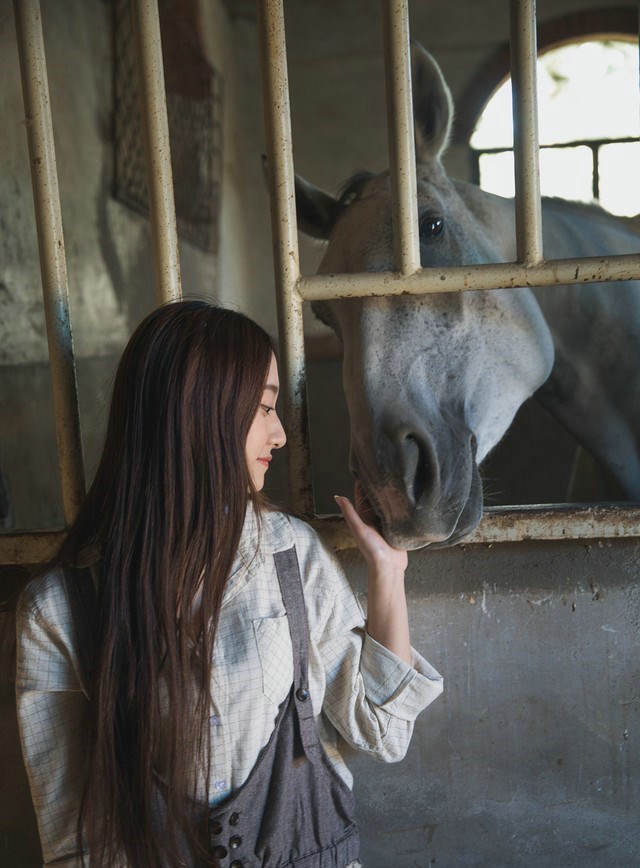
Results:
[352, 188]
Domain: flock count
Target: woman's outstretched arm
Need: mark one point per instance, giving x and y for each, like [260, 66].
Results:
[387, 617]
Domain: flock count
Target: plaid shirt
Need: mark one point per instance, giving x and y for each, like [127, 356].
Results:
[359, 689]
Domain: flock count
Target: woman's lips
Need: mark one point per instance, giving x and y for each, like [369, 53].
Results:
[265, 462]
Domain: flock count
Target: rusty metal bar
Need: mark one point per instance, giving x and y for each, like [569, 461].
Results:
[30, 547]
[53, 267]
[284, 229]
[499, 524]
[508, 524]
[525, 131]
[402, 155]
[505, 275]
[162, 209]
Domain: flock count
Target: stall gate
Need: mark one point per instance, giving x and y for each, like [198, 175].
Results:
[293, 289]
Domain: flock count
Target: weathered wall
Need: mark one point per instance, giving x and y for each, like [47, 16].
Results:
[108, 245]
[531, 756]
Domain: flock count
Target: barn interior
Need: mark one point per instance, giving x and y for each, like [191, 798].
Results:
[532, 755]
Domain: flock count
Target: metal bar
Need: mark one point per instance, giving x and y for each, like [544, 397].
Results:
[501, 275]
[508, 524]
[499, 524]
[574, 143]
[46, 198]
[24, 549]
[402, 156]
[595, 162]
[525, 131]
[162, 209]
[284, 229]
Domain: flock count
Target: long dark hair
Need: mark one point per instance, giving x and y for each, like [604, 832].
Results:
[166, 510]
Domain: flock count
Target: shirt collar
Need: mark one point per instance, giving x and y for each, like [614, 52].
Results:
[264, 533]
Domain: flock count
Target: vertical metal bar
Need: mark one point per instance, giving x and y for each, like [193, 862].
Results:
[595, 163]
[525, 132]
[402, 156]
[162, 209]
[279, 147]
[46, 197]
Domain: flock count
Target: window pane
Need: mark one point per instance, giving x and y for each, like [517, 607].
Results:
[588, 91]
[496, 173]
[619, 167]
[567, 172]
[585, 91]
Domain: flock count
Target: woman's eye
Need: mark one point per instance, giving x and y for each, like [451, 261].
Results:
[267, 409]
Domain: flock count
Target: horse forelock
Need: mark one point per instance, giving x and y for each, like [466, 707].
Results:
[352, 188]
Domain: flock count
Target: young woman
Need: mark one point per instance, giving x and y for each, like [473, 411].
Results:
[187, 661]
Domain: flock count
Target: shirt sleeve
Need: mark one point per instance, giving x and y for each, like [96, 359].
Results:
[52, 711]
[372, 697]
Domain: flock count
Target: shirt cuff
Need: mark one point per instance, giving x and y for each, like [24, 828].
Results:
[402, 690]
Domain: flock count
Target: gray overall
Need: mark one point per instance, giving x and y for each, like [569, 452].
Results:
[294, 810]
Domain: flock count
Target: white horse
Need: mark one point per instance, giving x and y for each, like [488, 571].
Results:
[433, 382]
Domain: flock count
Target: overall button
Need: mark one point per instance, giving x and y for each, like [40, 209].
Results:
[234, 819]
[215, 827]
[302, 693]
[219, 852]
[235, 842]
[236, 864]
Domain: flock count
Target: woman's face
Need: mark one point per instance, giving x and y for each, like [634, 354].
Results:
[266, 432]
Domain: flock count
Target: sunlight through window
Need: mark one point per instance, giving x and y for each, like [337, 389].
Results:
[587, 102]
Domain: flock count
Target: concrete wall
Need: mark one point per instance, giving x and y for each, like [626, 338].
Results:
[531, 757]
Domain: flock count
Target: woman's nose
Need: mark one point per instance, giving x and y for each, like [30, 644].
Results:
[278, 435]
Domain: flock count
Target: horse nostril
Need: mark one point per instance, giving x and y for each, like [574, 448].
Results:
[474, 444]
[417, 466]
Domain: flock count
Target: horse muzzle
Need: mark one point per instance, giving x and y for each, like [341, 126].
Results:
[424, 491]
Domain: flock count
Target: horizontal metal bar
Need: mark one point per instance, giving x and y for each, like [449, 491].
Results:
[29, 547]
[499, 524]
[502, 275]
[575, 143]
[507, 524]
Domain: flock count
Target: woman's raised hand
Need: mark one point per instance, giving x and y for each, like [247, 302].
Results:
[387, 618]
[378, 554]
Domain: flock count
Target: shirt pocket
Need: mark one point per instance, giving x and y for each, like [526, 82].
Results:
[273, 641]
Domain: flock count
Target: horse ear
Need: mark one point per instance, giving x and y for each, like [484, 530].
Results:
[316, 210]
[432, 105]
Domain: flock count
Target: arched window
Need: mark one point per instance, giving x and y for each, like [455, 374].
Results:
[589, 122]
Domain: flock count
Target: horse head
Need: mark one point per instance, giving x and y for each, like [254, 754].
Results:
[432, 382]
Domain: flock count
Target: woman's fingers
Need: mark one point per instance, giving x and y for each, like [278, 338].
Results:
[375, 549]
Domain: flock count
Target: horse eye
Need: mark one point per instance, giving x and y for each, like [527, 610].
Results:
[431, 227]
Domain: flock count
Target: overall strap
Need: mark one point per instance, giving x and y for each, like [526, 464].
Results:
[288, 571]
[82, 595]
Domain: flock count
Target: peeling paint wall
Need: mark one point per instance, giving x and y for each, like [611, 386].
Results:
[108, 245]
